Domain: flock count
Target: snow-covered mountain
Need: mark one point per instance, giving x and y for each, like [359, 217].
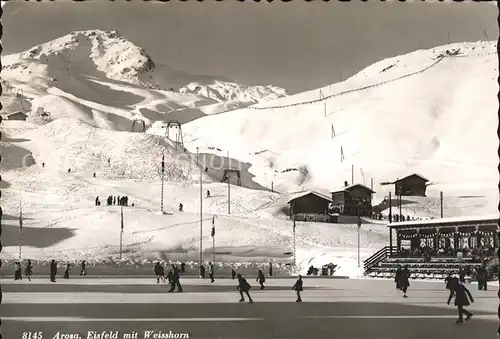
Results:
[421, 112]
[106, 80]
[229, 91]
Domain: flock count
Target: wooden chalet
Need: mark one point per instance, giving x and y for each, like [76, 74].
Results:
[352, 197]
[411, 185]
[436, 247]
[310, 206]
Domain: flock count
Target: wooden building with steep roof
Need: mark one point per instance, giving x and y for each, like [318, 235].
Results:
[411, 185]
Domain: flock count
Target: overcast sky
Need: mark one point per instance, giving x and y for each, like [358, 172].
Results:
[296, 45]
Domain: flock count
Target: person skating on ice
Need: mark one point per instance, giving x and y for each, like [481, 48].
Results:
[261, 279]
[29, 270]
[404, 281]
[66, 272]
[211, 272]
[233, 273]
[243, 287]
[83, 270]
[53, 271]
[17, 271]
[158, 272]
[298, 287]
[463, 298]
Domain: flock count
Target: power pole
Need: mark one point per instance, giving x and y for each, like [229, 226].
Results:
[390, 207]
[162, 180]
[121, 233]
[20, 230]
[201, 208]
[352, 174]
[294, 246]
[441, 199]
[228, 186]
[359, 227]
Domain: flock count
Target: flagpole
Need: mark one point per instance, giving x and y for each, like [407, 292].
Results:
[162, 179]
[201, 208]
[20, 229]
[228, 187]
[121, 233]
[213, 240]
[294, 246]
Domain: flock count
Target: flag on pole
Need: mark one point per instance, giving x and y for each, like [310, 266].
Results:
[20, 217]
[213, 226]
[163, 163]
[122, 219]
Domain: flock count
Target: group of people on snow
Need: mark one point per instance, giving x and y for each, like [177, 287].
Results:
[120, 201]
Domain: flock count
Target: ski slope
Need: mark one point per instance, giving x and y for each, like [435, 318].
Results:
[417, 113]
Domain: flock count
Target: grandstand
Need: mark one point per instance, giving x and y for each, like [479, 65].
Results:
[436, 248]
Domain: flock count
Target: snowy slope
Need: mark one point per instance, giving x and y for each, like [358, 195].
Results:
[419, 112]
[416, 116]
[108, 81]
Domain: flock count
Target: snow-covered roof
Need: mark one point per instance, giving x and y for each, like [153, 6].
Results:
[352, 186]
[410, 175]
[303, 194]
[449, 220]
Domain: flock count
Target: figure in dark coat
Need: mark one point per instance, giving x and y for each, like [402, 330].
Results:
[211, 272]
[298, 287]
[397, 277]
[29, 270]
[462, 296]
[83, 270]
[175, 280]
[183, 268]
[66, 271]
[404, 280]
[261, 279]
[233, 273]
[202, 271]
[53, 271]
[97, 201]
[18, 272]
[482, 277]
[159, 272]
[243, 286]
[270, 269]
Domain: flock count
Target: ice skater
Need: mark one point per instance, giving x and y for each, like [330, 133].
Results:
[244, 286]
[397, 277]
[298, 287]
[211, 272]
[463, 298]
[66, 271]
[261, 279]
[83, 270]
[233, 273]
[404, 281]
[53, 270]
[159, 272]
[29, 270]
[175, 280]
[17, 271]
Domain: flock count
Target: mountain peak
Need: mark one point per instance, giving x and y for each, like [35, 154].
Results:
[112, 54]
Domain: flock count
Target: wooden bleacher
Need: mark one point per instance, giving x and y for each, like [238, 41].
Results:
[475, 231]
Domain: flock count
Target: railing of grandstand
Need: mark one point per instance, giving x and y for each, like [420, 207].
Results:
[376, 258]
